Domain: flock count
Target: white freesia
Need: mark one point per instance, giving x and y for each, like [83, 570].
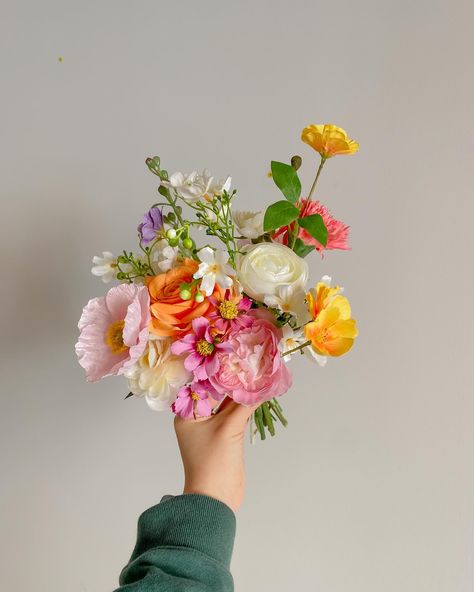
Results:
[290, 298]
[214, 268]
[158, 374]
[191, 187]
[267, 266]
[248, 224]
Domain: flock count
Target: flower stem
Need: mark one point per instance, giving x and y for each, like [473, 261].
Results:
[295, 349]
[311, 191]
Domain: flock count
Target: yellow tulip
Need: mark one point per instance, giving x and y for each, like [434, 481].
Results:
[329, 140]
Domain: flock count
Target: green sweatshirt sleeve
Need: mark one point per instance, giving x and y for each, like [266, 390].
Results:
[184, 543]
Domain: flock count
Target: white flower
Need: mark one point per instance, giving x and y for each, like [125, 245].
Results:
[217, 187]
[191, 187]
[267, 266]
[158, 374]
[105, 267]
[290, 298]
[163, 257]
[291, 338]
[249, 224]
[214, 268]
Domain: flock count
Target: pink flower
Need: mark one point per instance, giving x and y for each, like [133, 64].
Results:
[230, 311]
[193, 400]
[201, 348]
[113, 331]
[252, 371]
[338, 232]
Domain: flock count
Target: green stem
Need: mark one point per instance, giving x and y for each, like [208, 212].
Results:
[311, 191]
[295, 349]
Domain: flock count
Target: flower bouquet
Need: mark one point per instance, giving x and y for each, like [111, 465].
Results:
[191, 323]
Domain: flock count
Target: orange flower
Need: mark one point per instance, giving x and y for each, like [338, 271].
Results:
[171, 315]
[329, 140]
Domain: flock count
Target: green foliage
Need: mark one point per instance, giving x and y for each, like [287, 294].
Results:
[281, 213]
[315, 226]
[286, 179]
[301, 249]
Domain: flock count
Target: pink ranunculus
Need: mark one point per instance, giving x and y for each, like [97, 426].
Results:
[113, 331]
[253, 371]
[338, 232]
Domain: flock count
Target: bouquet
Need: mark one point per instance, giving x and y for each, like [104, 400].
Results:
[196, 318]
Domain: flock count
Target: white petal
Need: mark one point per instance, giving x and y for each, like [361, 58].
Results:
[223, 280]
[176, 179]
[208, 282]
[207, 255]
[202, 270]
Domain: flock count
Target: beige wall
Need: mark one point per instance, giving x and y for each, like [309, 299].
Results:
[370, 488]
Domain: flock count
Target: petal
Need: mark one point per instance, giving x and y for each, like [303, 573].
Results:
[206, 255]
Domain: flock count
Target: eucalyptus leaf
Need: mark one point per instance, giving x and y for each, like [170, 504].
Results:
[286, 179]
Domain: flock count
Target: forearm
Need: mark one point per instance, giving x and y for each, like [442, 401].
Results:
[183, 543]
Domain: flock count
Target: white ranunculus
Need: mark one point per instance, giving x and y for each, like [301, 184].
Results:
[248, 224]
[267, 266]
[158, 374]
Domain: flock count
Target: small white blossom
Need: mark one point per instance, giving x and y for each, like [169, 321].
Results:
[191, 187]
[105, 267]
[249, 224]
[214, 269]
[291, 299]
[164, 257]
[217, 187]
[291, 339]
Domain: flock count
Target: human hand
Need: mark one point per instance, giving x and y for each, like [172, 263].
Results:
[212, 452]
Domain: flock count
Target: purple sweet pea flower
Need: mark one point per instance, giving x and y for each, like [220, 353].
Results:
[152, 223]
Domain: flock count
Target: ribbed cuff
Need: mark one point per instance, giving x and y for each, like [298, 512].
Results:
[190, 520]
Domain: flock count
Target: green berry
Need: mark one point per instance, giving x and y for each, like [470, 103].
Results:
[185, 294]
[171, 233]
[199, 297]
[173, 242]
[188, 243]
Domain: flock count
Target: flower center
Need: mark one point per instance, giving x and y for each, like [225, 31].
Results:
[204, 348]
[195, 396]
[114, 337]
[228, 310]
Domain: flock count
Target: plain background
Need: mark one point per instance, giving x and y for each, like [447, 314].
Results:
[371, 487]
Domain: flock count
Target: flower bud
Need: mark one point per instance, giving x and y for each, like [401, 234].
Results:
[171, 233]
[173, 242]
[296, 162]
[185, 294]
[199, 297]
[188, 243]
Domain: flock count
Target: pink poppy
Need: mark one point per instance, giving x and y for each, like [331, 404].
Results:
[113, 331]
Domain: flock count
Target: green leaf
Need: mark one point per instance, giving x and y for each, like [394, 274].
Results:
[315, 226]
[286, 179]
[281, 213]
[301, 249]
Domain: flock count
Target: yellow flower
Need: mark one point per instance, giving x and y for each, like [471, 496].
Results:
[332, 331]
[329, 140]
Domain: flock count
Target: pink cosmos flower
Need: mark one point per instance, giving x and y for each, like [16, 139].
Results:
[252, 371]
[230, 311]
[338, 232]
[194, 400]
[201, 348]
[113, 331]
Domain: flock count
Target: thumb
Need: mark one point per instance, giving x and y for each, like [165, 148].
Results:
[237, 413]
